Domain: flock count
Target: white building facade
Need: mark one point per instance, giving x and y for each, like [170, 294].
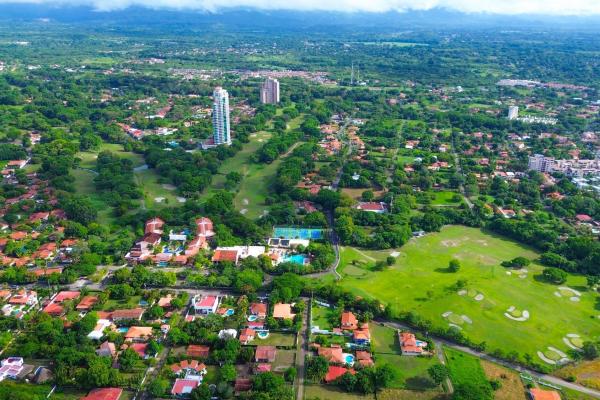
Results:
[220, 117]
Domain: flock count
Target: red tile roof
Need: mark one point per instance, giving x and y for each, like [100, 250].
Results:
[225, 255]
[104, 394]
[349, 321]
[335, 372]
[540, 394]
[184, 386]
[87, 302]
[198, 351]
[265, 353]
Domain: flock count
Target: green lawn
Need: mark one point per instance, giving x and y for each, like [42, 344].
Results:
[32, 391]
[320, 318]
[131, 302]
[445, 198]
[276, 339]
[419, 282]
[411, 372]
[464, 368]
[331, 392]
[148, 181]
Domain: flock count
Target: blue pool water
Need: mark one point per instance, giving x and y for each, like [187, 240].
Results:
[297, 233]
[262, 334]
[123, 329]
[421, 343]
[252, 318]
[296, 258]
[349, 358]
[229, 312]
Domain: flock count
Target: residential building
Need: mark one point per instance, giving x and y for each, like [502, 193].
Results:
[269, 91]
[371, 206]
[258, 309]
[205, 304]
[283, 311]
[349, 321]
[220, 117]
[513, 112]
[11, 368]
[183, 387]
[138, 334]
[134, 313]
[409, 345]
[335, 372]
[333, 354]
[265, 354]
[541, 394]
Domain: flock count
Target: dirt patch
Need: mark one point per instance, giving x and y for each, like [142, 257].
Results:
[512, 387]
[587, 373]
[450, 243]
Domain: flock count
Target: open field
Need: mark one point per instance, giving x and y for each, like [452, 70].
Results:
[420, 282]
[586, 373]
[512, 386]
[445, 199]
[464, 368]
[331, 392]
[276, 339]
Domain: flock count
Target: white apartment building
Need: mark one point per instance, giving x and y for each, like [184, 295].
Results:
[220, 116]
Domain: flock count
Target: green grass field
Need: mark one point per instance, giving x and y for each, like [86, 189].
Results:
[147, 179]
[411, 372]
[419, 282]
[464, 368]
[445, 199]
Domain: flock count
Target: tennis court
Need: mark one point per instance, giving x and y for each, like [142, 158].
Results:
[297, 233]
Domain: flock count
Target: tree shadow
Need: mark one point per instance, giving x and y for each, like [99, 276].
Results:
[443, 270]
[419, 383]
[597, 305]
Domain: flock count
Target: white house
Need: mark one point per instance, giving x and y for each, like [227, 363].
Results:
[205, 304]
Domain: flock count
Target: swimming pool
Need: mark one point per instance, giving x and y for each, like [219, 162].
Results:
[348, 358]
[123, 329]
[296, 258]
[252, 318]
[297, 233]
[230, 312]
[262, 334]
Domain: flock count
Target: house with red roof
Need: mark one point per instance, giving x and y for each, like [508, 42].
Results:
[183, 387]
[333, 354]
[204, 227]
[364, 358]
[197, 351]
[349, 321]
[86, 303]
[154, 225]
[371, 206]
[336, 372]
[258, 309]
[24, 297]
[265, 354]
[262, 368]
[104, 394]
[541, 394]
[362, 336]
[205, 305]
[409, 345]
[133, 313]
[247, 335]
[283, 311]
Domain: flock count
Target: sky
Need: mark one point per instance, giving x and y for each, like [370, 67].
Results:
[507, 7]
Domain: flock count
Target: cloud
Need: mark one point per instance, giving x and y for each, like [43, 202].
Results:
[510, 7]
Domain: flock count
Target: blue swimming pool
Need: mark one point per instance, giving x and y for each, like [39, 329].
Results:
[123, 329]
[230, 312]
[348, 358]
[297, 233]
[296, 258]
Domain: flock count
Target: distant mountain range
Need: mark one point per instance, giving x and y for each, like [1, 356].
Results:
[289, 20]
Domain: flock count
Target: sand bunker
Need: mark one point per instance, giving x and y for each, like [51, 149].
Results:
[243, 211]
[516, 315]
[450, 243]
[181, 199]
[245, 202]
[573, 341]
[446, 314]
[462, 292]
[395, 253]
[159, 199]
[479, 297]
[455, 326]
[575, 298]
[466, 319]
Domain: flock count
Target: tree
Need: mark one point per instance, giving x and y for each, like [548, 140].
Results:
[555, 275]
[454, 265]
[438, 373]
[290, 374]
[227, 373]
[589, 350]
[158, 387]
[383, 376]
[128, 359]
[347, 382]
[316, 368]
[201, 392]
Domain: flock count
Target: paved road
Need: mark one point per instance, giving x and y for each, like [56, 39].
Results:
[461, 187]
[548, 378]
[301, 353]
[440, 354]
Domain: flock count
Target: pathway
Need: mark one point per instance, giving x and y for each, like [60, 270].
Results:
[301, 352]
[440, 355]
